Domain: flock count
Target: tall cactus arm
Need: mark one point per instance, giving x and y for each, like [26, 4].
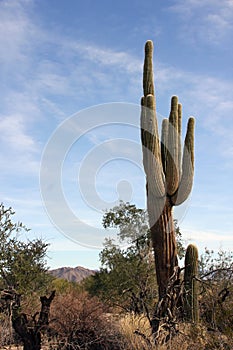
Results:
[149, 125]
[179, 139]
[172, 174]
[164, 140]
[186, 182]
[148, 79]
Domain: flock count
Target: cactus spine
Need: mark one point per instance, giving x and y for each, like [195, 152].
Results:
[191, 307]
[169, 172]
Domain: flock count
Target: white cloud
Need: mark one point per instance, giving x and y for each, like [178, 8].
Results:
[49, 78]
[51, 106]
[208, 20]
[16, 29]
[206, 236]
[12, 130]
[206, 97]
[108, 57]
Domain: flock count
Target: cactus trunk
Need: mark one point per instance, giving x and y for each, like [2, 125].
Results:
[164, 245]
[191, 306]
[169, 172]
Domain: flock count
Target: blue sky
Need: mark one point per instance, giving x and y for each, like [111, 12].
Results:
[58, 58]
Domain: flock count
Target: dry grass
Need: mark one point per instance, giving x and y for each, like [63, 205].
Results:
[136, 330]
[84, 322]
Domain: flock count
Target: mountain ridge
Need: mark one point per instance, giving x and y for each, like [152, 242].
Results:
[72, 274]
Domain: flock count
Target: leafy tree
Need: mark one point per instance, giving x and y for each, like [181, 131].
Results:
[131, 221]
[133, 225]
[127, 277]
[22, 264]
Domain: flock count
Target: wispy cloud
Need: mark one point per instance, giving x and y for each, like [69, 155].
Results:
[35, 89]
[206, 236]
[208, 20]
[16, 29]
[208, 98]
[12, 130]
[109, 57]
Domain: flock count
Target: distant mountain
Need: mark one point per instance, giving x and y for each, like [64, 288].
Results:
[72, 274]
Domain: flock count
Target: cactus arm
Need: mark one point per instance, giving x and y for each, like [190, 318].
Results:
[149, 101]
[191, 306]
[186, 182]
[150, 135]
[164, 140]
[172, 174]
[179, 139]
[148, 79]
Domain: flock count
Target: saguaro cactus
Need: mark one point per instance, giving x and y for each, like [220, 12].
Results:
[191, 307]
[169, 172]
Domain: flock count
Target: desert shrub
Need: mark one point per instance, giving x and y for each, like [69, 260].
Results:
[79, 321]
[62, 286]
[216, 297]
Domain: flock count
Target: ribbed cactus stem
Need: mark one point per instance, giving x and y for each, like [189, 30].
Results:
[191, 306]
[164, 146]
[148, 76]
[186, 181]
[179, 138]
[172, 173]
[169, 171]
